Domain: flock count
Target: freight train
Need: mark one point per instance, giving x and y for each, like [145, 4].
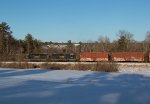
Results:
[91, 57]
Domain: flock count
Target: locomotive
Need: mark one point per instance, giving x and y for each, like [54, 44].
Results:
[54, 57]
[91, 57]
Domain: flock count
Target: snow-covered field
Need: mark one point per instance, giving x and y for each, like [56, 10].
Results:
[35, 86]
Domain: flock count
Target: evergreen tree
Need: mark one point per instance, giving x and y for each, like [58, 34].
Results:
[122, 44]
[5, 37]
[29, 43]
[125, 38]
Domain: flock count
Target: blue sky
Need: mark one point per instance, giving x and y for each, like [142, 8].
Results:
[76, 20]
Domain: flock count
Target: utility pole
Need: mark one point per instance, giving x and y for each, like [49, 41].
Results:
[28, 48]
[7, 43]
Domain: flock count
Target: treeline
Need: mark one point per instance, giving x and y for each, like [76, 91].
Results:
[12, 49]
[124, 43]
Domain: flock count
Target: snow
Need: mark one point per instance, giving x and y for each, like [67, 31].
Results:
[135, 68]
[37, 86]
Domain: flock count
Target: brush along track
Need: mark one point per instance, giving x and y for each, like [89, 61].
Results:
[121, 64]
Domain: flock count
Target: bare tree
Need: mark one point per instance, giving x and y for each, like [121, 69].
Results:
[104, 43]
[147, 37]
[147, 42]
[126, 34]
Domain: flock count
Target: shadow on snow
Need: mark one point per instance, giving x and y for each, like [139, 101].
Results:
[10, 73]
[94, 88]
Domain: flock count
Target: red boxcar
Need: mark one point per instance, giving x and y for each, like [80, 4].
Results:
[127, 56]
[149, 56]
[94, 56]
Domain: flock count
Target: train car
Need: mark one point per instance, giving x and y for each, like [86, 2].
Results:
[127, 56]
[64, 57]
[37, 57]
[149, 56]
[90, 57]
[94, 56]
